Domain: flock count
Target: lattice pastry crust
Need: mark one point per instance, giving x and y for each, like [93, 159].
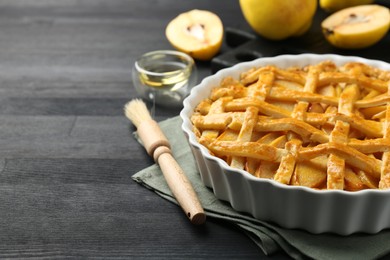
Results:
[322, 126]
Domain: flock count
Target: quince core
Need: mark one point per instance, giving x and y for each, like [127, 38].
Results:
[198, 33]
[357, 27]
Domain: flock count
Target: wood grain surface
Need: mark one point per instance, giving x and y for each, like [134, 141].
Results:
[66, 150]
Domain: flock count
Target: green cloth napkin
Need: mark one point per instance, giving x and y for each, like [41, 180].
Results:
[269, 237]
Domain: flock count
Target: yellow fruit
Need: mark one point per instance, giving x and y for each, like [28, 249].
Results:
[335, 5]
[357, 27]
[279, 19]
[198, 33]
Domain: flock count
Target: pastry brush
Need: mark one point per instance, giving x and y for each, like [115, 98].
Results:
[157, 146]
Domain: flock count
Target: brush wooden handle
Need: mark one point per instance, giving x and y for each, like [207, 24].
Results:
[157, 146]
[152, 137]
[181, 187]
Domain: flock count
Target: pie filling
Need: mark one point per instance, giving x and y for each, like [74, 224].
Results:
[321, 126]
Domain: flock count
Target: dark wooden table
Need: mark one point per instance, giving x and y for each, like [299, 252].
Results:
[67, 153]
[66, 150]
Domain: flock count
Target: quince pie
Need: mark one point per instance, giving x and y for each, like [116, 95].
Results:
[321, 126]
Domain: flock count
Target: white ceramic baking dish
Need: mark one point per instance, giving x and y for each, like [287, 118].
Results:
[316, 211]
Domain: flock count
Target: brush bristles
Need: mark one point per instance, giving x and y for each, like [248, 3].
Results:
[137, 112]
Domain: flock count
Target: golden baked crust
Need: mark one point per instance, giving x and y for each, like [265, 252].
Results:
[322, 126]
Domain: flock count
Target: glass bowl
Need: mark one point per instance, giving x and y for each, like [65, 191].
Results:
[164, 77]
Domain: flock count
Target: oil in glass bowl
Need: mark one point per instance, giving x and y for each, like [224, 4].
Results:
[164, 77]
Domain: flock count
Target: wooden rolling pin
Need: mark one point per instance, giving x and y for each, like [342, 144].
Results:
[157, 146]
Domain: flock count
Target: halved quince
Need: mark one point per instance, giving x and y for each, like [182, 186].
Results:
[198, 33]
[357, 27]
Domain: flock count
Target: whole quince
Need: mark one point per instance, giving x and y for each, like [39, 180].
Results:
[336, 5]
[279, 19]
